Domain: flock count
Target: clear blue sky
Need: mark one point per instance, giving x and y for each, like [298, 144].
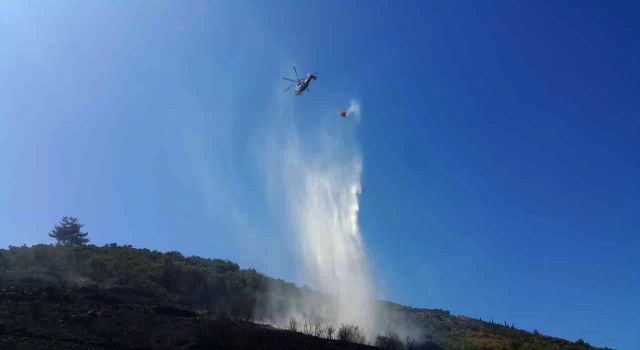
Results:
[500, 141]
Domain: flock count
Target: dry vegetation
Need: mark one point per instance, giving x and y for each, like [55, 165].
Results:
[221, 288]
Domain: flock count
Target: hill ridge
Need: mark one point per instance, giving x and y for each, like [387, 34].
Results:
[221, 287]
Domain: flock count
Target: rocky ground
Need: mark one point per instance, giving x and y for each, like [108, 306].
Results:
[43, 315]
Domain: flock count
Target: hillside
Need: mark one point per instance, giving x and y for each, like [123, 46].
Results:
[123, 297]
[35, 314]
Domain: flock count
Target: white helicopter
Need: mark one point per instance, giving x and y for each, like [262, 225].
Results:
[301, 85]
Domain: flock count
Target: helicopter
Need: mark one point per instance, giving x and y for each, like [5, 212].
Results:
[301, 85]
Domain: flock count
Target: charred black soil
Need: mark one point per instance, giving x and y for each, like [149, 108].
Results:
[35, 314]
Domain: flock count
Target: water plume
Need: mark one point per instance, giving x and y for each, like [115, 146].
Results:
[322, 195]
[354, 110]
[315, 172]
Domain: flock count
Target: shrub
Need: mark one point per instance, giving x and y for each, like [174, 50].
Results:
[389, 342]
[293, 324]
[351, 333]
[330, 331]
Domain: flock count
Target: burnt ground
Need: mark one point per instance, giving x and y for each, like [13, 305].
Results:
[43, 315]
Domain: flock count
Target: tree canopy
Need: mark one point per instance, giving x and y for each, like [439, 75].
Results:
[68, 232]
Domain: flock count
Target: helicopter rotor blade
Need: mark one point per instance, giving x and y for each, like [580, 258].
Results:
[287, 89]
[291, 80]
[295, 70]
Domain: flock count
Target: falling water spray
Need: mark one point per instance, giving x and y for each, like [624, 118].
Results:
[317, 174]
[323, 198]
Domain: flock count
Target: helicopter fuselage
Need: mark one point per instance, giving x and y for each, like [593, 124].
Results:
[304, 84]
[300, 84]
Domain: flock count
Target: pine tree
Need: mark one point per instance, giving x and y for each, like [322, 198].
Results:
[68, 233]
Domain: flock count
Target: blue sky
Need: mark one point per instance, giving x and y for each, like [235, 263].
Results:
[499, 141]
